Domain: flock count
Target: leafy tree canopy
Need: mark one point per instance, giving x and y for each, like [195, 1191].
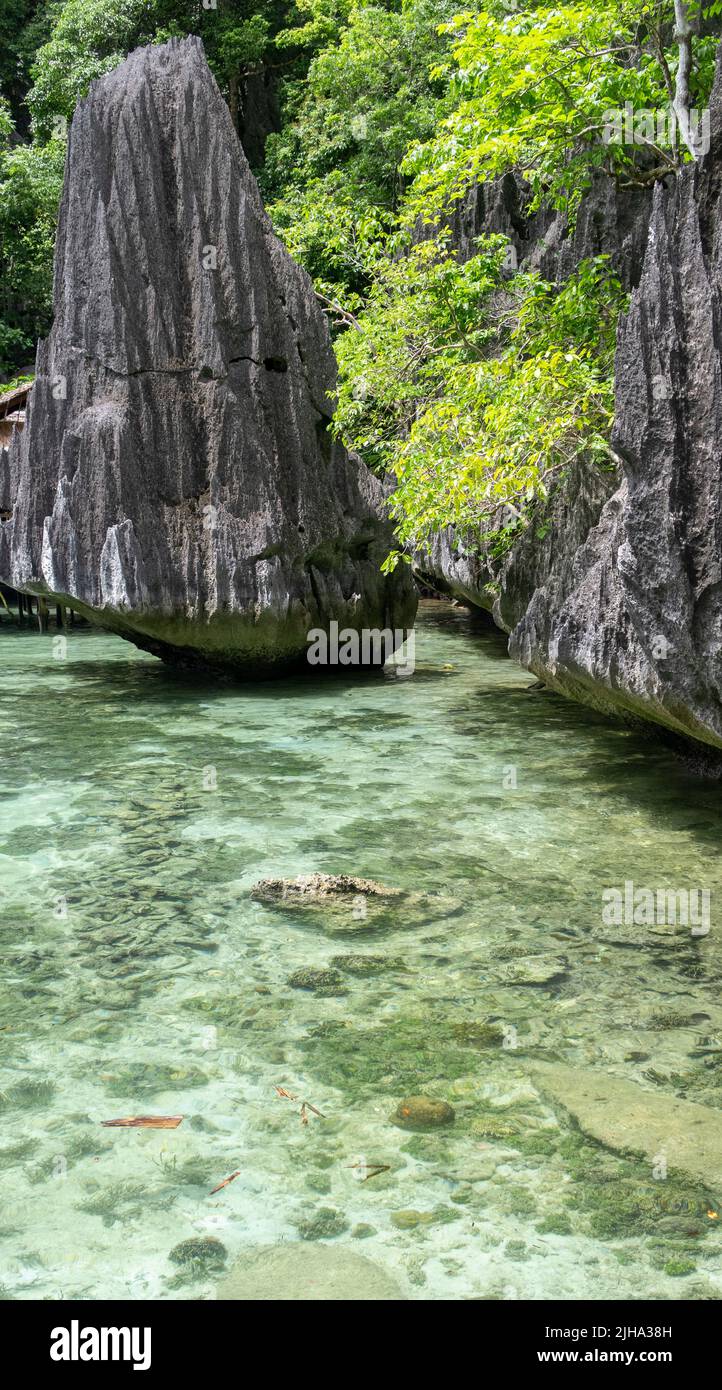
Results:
[89, 37]
[30, 184]
[474, 385]
[333, 175]
[477, 389]
[532, 89]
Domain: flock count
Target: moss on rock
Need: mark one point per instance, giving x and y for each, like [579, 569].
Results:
[423, 1112]
[201, 1253]
[322, 1224]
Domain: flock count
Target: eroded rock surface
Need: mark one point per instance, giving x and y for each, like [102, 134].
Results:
[176, 478]
[640, 628]
[344, 905]
[316, 887]
[618, 602]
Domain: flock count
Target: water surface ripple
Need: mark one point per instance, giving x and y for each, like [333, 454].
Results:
[139, 976]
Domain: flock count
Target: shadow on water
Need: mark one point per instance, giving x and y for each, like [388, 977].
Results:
[613, 758]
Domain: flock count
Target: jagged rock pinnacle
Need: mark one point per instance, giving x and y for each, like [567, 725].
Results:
[177, 479]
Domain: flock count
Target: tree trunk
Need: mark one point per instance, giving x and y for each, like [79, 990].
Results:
[683, 35]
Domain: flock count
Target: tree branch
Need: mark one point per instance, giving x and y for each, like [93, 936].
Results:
[344, 315]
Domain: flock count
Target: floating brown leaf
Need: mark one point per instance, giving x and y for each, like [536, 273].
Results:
[144, 1122]
[226, 1182]
[305, 1104]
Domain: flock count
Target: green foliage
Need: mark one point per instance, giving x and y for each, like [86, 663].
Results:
[25, 379]
[474, 390]
[366, 96]
[90, 37]
[532, 87]
[336, 239]
[476, 387]
[424, 321]
[30, 185]
[13, 16]
[319, 22]
[333, 173]
[240, 45]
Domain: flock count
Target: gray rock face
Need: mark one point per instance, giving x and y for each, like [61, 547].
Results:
[639, 630]
[619, 603]
[176, 478]
[610, 221]
[538, 568]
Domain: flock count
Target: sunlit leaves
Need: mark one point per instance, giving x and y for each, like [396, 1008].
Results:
[532, 89]
[476, 391]
[30, 184]
[348, 124]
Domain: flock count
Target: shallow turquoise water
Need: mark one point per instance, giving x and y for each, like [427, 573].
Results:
[138, 975]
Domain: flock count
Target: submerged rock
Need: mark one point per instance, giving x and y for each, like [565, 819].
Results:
[202, 1253]
[365, 965]
[343, 905]
[421, 1112]
[325, 1223]
[478, 1033]
[531, 970]
[312, 887]
[622, 1116]
[409, 1219]
[319, 981]
[176, 479]
[294, 1273]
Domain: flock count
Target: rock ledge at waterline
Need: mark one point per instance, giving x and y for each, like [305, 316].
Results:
[176, 478]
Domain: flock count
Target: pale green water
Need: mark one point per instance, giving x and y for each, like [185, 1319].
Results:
[139, 977]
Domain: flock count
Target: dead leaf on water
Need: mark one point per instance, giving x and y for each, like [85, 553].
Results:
[144, 1122]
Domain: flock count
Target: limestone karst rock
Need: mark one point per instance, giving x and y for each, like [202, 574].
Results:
[177, 478]
[639, 630]
[617, 600]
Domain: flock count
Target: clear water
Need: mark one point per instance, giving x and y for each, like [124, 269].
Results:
[138, 975]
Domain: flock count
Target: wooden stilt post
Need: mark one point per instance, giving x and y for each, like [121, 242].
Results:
[42, 614]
